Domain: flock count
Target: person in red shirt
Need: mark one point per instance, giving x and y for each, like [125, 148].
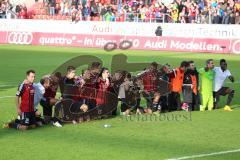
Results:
[176, 87]
[23, 13]
[25, 108]
[150, 93]
[90, 78]
[103, 86]
[49, 100]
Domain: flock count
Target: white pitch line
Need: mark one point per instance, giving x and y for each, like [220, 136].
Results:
[205, 155]
[233, 82]
[7, 97]
[8, 84]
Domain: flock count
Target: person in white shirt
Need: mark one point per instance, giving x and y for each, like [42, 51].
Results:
[221, 74]
[39, 92]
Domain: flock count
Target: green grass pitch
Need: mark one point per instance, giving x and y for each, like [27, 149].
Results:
[202, 133]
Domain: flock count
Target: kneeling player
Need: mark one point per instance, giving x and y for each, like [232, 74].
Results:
[150, 93]
[25, 108]
[221, 74]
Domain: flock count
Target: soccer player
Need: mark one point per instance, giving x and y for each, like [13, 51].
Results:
[123, 94]
[69, 78]
[49, 100]
[90, 77]
[150, 93]
[39, 92]
[25, 108]
[190, 88]
[206, 75]
[221, 74]
[69, 82]
[176, 86]
[103, 85]
[165, 74]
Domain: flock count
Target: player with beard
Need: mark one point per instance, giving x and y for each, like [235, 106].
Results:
[190, 88]
[123, 94]
[206, 75]
[165, 74]
[221, 74]
[40, 89]
[176, 87]
[150, 93]
[49, 99]
[90, 78]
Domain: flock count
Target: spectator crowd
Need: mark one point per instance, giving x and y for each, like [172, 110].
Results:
[19, 10]
[176, 11]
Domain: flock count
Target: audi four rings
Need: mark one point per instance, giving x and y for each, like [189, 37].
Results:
[20, 38]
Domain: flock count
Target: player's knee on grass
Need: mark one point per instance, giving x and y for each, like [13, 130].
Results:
[47, 119]
[149, 111]
[127, 112]
[22, 127]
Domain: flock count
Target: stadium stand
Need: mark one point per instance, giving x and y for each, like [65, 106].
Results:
[176, 11]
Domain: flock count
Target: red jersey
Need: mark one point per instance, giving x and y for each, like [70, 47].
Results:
[88, 90]
[150, 81]
[103, 88]
[50, 93]
[26, 92]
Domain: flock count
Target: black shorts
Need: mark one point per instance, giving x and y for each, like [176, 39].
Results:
[47, 107]
[221, 92]
[27, 118]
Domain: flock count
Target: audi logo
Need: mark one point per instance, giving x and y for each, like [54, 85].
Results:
[20, 38]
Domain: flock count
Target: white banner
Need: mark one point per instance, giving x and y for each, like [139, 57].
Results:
[123, 28]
